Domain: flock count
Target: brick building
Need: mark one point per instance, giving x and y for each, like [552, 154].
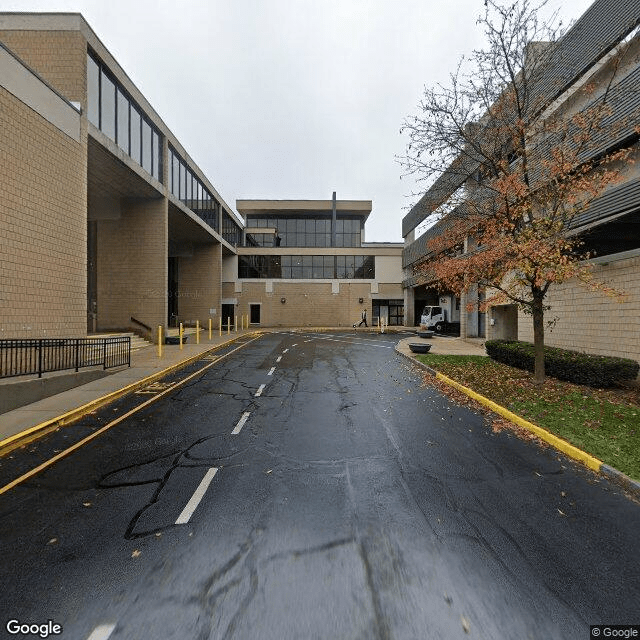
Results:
[305, 262]
[602, 49]
[106, 222]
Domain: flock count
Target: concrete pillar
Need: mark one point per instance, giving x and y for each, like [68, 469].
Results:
[409, 306]
[132, 264]
[199, 286]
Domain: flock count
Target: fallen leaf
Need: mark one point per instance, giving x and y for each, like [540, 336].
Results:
[158, 535]
[53, 541]
[268, 471]
[465, 624]
[136, 553]
[86, 504]
[561, 513]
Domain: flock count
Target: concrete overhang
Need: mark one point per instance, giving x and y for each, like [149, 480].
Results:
[361, 208]
[111, 178]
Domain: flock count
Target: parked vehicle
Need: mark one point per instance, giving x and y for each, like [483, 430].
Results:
[443, 317]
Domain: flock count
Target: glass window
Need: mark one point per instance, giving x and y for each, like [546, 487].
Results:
[339, 225]
[93, 91]
[123, 122]
[183, 181]
[108, 107]
[135, 134]
[157, 154]
[175, 175]
[146, 146]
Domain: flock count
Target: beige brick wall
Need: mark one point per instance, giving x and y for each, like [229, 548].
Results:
[199, 285]
[132, 264]
[42, 226]
[592, 322]
[59, 57]
[308, 303]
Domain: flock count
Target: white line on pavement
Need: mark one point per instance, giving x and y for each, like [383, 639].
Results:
[102, 632]
[187, 512]
[238, 427]
[294, 345]
[377, 346]
[260, 390]
[271, 371]
[285, 351]
[278, 358]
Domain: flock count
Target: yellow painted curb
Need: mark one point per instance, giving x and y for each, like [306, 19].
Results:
[78, 412]
[543, 434]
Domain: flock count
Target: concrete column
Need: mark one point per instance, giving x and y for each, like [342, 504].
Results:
[132, 265]
[409, 306]
[199, 288]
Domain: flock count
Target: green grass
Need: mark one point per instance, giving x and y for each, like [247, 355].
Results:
[602, 422]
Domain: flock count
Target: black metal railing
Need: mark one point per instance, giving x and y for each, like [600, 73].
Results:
[41, 355]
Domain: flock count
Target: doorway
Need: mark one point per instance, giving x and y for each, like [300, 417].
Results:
[228, 311]
[254, 313]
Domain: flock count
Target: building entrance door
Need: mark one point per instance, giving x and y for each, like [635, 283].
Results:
[254, 313]
[228, 311]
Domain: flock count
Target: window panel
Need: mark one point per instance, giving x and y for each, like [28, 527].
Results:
[108, 107]
[146, 146]
[123, 122]
[135, 134]
[157, 154]
[175, 175]
[93, 91]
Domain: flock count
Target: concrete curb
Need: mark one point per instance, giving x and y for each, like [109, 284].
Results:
[628, 484]
[75, 414]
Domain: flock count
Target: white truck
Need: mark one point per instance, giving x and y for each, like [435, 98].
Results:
[443, 317]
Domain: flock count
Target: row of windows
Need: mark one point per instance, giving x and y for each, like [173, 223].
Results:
[113, 111]
[304, 231]
[186, 186]
[231, 231]
[307, 267]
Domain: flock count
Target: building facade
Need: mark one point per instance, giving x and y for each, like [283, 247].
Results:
[305, 262]
[603, 45]
[106, 222]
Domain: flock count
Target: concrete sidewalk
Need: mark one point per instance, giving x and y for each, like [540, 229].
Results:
[146, 366]
[443, 345]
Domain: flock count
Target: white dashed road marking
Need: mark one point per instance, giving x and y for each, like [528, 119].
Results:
[238, 427]
[102, 632]
[278, 358]
[187, 512]
[271, 371]
[260, 390]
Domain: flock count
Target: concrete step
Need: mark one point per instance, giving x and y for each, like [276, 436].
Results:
[136, 341]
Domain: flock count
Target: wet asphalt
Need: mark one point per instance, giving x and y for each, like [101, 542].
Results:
[355, 502]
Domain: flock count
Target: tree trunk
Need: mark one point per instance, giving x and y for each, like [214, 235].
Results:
[538, 336]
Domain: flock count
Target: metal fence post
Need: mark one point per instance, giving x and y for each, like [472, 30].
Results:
[40, 358]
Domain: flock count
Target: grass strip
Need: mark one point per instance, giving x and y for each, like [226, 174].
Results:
[602, 422]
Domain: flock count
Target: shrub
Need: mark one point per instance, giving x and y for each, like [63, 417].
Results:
[572, 366]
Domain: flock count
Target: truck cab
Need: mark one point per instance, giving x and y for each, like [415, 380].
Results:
[434, 318]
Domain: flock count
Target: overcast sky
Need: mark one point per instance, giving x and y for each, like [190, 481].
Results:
[290, 98]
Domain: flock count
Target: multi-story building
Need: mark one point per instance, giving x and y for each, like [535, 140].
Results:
[602, 50]
[305, 262]
[108, 224]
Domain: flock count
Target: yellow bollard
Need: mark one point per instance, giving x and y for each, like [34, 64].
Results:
[220, 325]
[228, 325]
[160, 341]
[181, 330]
[235, 324]
[209, 329]
[197, 331]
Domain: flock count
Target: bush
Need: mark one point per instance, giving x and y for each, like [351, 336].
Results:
[572, 366]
